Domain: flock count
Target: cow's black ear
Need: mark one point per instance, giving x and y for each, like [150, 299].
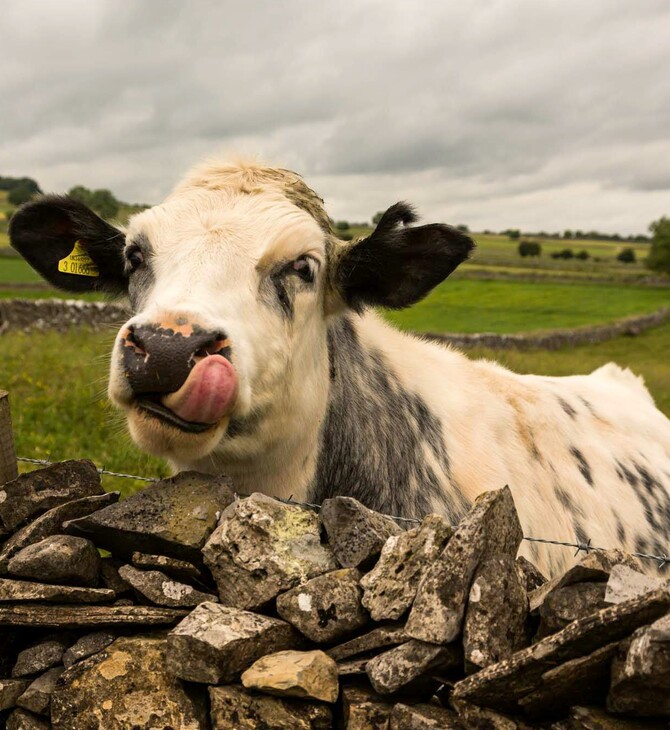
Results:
[69, 245]
[396, 265]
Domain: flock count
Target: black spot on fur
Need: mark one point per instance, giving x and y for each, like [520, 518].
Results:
[620, 531]
[567, 501]
[376, 435]
[583, 465]
[588, 405]
[652, 494]
[142, 279]
[580, 534]
[567, 408]
[285, 301]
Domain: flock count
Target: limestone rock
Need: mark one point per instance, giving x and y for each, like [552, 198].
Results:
[262, 547]
[10, 691]
[625, 583]
[172, 566]
[568, 603]
[364, 710]
[306, 674]
[390, 587]
[594, 567]
[72, 617]
[39, 657]
[58, 559]
[395, 669]
[584, 679]
[215, 644]
[51, 523]
[23, 720]
[481, 718]
[23, 590]
[356, 534]
[490, 528]
[641, 675]
[233, 708]
[423, 717]
[531, 578]
[37, 697]
[37, 491]
[353, 667]
[501, 686]
[496, 620]
[87, 646]
[126, 686]
[163, 590]
[172, 517]
[379, 638]
[327, 607]
[596, 718]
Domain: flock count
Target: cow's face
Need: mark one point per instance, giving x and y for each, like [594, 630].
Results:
[232, 282]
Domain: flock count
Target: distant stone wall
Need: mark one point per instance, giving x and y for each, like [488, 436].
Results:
[61, 314]
[557, 339]
[58, 314]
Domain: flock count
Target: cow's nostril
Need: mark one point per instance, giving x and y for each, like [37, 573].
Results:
[131, 338]
[218, 345]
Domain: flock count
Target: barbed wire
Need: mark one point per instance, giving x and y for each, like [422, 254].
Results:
[584, 546]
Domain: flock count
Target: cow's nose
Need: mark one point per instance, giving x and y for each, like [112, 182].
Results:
[157, 358]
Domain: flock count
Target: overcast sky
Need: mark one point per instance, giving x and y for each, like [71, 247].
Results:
[537, 114]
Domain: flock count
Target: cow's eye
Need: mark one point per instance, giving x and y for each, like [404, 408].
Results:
[305, 267]
[134, 258]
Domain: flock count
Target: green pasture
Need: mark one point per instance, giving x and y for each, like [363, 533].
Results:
[57, 386]
[464, 305]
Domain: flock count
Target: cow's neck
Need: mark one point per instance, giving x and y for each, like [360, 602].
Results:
[380, 441]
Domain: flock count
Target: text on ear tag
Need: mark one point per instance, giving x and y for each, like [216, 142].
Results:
[78, 262]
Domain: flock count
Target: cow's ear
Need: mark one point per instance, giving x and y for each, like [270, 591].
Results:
[396, 265]
[69, 245]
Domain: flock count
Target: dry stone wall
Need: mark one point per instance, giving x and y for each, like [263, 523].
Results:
[213, 612]
[62, 314]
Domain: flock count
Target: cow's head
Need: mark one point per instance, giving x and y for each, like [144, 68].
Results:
[233, 281]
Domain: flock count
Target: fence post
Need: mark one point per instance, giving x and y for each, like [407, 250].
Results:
[8, 466]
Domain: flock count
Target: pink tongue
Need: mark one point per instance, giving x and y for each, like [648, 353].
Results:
[208, 394]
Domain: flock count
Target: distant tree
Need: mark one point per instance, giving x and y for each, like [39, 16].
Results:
[566, 253]
[342, 225]
[462, 227]
[7, 183]
[513, 233]
[626, 256]
[104, 203]
[567, 233]
[529, 248]
[20, 194]
[80, 193]
[583, 255]
[377, 217]
[659, 256]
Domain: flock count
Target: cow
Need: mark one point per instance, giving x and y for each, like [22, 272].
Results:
[255, 349]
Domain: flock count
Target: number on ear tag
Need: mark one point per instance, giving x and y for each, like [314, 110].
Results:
[78, 262]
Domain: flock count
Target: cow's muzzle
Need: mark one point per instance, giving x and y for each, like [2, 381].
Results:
[179, 372]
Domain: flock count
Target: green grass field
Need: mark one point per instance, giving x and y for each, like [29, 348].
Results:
[57, 389]
[514, 306]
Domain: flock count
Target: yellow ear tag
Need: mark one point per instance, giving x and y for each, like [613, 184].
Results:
[78, 262]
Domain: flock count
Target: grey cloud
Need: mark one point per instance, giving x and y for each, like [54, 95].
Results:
[470, 107]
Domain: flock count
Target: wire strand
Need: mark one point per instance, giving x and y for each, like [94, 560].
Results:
[584, 546]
